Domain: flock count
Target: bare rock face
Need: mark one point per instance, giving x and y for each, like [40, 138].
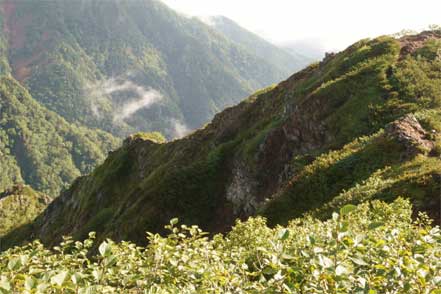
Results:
[241, 191]
[409, 44]
[408, 131]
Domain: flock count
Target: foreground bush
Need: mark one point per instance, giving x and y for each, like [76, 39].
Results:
[372, 248]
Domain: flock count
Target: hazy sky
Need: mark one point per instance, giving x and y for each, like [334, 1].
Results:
[335, 23]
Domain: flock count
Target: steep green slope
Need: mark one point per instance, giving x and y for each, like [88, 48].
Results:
[126, 66]
[287, 62]
[40, 148]
[362, 124]
[20, 205]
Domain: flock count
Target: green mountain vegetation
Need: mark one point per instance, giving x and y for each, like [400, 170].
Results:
[40, 148]
[362, 124]
[287, 61]
[127, 66]
[20, 205]
[373, 248]
[72, 73]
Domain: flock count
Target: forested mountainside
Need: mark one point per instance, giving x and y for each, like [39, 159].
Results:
[362, 124]
[40, 148]
[19, 205]
[288, 61]
[126, 66]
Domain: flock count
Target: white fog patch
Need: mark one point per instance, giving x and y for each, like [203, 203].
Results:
[95, 95]
[142, 98]
[139, 98]
[145, 100]
[179, 129]
[94, 109]
[208, 20]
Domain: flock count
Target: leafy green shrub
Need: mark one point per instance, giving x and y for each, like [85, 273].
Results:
[372, 248]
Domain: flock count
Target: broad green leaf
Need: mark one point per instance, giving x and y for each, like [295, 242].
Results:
[359, 261]
[325, 262]
[362, 282]
[288, 257]
[14, 264]
[317, 250]
[5, 284]
[104, 249]
[29, 283]
[374, 225]
[345, 210]
[76, 278]
[341, 270]
[59, 278]
[24, 259]
[97, 274]
[344, 226]
[283, 234]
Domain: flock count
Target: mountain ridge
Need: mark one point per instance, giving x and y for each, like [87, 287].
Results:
[289, 62]
[330, 135]
[112, 67]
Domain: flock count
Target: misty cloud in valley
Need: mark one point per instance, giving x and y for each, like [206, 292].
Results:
[140, 98]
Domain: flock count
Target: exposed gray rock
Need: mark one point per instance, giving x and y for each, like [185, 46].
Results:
[409, 132]
[241, 190]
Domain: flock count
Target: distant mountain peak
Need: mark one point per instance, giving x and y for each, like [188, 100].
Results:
[285, 60]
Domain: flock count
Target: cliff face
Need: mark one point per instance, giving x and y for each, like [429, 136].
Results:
[362, 124]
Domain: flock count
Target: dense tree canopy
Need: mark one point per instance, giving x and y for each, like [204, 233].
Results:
[40, 148]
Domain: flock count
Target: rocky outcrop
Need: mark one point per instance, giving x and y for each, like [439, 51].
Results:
[409, 132]
[241, 191]
[409, 44]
